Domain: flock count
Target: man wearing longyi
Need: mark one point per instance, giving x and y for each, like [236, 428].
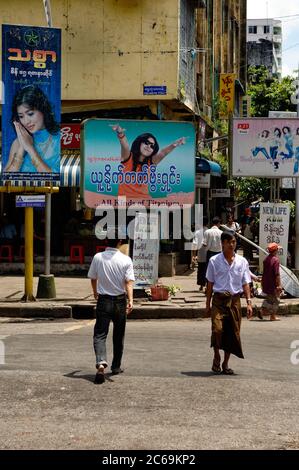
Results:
[228, 276]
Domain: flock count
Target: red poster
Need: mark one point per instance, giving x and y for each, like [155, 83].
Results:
[70, 136]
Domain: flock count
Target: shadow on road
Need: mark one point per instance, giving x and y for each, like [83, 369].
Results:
[88, 377]
[204, 374]
[198, 373]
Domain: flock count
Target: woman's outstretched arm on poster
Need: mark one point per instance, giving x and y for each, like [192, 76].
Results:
[124, 145]
[166, 150]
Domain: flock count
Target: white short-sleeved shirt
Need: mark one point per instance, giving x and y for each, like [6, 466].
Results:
[111, 268]
[212, 239]
[197, 245]
[228, 277]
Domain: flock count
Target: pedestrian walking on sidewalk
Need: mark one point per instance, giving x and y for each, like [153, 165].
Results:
[271, 283]
[112, 276]
[227, 276]
[212, 239]
[200, 253]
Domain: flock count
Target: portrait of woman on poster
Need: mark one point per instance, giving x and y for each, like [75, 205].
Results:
[36, 148]
[144, 151]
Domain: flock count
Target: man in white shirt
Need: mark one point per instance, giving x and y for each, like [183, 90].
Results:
[228, 276]
[112, 277]
[212, 239]
[200, 252]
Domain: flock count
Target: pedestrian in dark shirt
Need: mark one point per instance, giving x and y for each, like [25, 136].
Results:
[271, 284]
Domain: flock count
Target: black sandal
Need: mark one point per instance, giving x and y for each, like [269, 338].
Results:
[216, 368]
[228, 371]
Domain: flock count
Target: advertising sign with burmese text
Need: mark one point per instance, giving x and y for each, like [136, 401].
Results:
[127, 162]
[274, 228]
[31, 73]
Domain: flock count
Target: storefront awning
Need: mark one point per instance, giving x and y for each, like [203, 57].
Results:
[69, 173]
[70, 170]
[207, 167]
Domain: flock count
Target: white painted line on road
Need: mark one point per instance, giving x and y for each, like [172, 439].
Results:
[78, 327]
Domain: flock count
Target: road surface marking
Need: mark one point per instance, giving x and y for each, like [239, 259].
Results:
[78, 327]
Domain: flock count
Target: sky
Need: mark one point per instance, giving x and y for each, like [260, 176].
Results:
[290, 27]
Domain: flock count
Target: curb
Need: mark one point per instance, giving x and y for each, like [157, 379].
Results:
[87, 311]
[36, 311]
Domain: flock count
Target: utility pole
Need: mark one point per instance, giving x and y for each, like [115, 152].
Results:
[46, 285]
[297, 195]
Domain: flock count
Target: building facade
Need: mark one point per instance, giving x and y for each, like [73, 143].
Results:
[146, 60]
[264, 44]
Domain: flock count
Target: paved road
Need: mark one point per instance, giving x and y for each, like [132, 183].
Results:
[166, 399]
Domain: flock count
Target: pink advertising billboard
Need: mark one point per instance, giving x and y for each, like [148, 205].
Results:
[265, 147]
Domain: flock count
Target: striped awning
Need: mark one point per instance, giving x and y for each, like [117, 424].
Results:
[69, 173]
[70, 170]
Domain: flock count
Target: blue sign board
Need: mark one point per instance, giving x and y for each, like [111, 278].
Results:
[30, 201]
[154, 90]
[31, 73]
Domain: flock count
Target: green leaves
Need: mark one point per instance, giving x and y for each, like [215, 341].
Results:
[269, 94]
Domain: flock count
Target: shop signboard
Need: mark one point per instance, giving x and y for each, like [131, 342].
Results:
[274, 227]
[70, 136]
[265, 147]
[288, 183]
[226, 94]
[146, 249]
[203, 180]
[222, 192]
[31, 74]
[127, 162]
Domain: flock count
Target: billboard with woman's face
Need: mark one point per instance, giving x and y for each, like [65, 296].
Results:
[145, 162]
[31, 73]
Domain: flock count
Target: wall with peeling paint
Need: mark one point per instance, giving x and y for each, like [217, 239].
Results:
[111, 48]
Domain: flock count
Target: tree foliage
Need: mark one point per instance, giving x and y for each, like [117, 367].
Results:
[249, 189]
[269, 94]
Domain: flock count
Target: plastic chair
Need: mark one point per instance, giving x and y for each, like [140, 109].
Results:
[22, 252]
[77, 254]
[6, 253]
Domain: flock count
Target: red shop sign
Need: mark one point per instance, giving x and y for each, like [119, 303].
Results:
[70, 136]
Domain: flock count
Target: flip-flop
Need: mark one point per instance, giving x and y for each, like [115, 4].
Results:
[216, 368]
[228, 371]
[274, 319]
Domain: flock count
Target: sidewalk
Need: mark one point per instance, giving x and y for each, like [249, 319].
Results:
[75, 300]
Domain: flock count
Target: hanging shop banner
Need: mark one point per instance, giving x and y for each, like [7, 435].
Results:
[137, 162]
[274, 228]
[31, 73]
[265, 147]
[226, 94]
[146, 249]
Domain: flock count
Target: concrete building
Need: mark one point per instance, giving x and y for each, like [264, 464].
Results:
[114, 51]
[264, 44]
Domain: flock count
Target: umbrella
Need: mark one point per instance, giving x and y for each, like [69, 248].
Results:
[289, 280]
